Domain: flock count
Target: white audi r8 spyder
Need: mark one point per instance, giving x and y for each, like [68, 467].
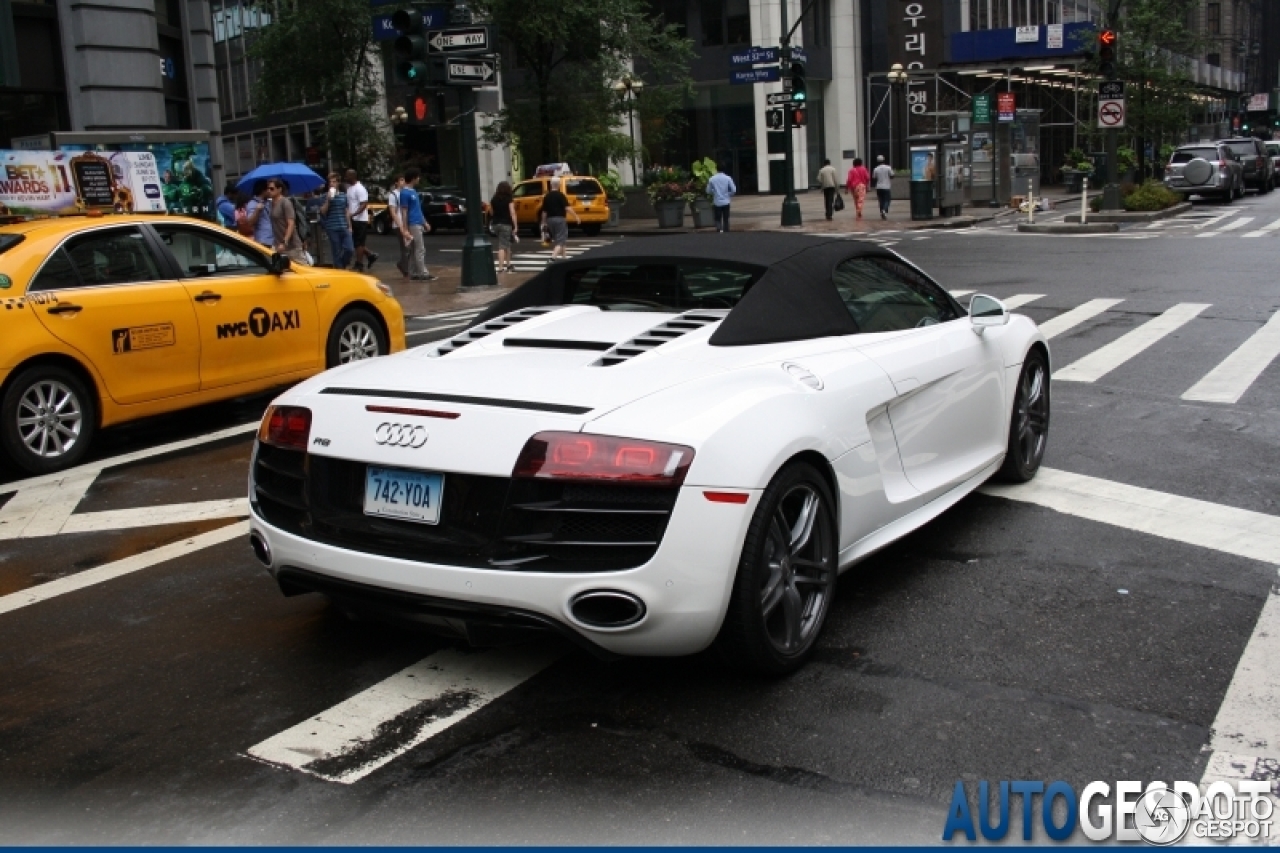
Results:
[659, 446]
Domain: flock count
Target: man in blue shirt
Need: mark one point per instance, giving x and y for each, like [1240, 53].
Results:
[337, 222]
[721, 189]
[226, 206]
[258, 214]
[413, 225]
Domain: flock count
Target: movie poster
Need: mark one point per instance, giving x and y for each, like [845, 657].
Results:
[183, 169]
[51, 183]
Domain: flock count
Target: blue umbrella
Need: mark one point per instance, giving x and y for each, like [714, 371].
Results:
[300, 178]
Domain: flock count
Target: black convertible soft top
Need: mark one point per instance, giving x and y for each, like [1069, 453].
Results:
[794, 299]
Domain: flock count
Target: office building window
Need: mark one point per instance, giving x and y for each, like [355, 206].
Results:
[1213, 20]
[738, 22]
[712, 23]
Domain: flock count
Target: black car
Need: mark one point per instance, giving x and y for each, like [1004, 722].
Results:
[1259, 171]
[442, 209]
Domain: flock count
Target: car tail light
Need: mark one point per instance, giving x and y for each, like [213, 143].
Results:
[287, 427]
[581, 456]
[450, 207]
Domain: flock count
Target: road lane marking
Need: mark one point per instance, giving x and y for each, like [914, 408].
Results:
[1264, 230]
[357, 736]
[1021, 299]
[437, 329]
[110, 571]
[958, 293]
[1102, 361]
[1230, 226]
[1227, 382]
[126, 458]
[43, 509]
[1068, 321]
[1228, 529]
[445, 315]
[152, 516]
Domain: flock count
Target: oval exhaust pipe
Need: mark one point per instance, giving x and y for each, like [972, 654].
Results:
[261, 549]
[608, 609]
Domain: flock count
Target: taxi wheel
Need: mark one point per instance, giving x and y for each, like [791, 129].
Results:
[49, 418]
[355, 335]
[382, 224]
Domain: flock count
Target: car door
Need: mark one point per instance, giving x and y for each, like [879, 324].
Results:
[528, 201]
[253, 324]
[105, 293]
[949, 414]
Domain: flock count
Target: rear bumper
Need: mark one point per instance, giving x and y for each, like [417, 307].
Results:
[685, 586]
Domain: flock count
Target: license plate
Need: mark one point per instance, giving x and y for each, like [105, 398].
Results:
[406, 495]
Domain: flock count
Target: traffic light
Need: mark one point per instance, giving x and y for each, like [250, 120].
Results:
[1107, 41]
[797, 82]
[797, 116]
[774, 119]
[419, 109]
[410, 46]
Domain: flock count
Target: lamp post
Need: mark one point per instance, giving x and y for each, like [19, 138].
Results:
[628, 90]
[898, 77]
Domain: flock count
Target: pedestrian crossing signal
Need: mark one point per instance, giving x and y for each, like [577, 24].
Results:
[798, 117]
[419, 109]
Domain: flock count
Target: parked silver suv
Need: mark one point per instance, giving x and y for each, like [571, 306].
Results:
[1208, 169]
[1259, 171]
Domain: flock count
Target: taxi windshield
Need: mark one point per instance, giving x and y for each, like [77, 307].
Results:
[8, 241]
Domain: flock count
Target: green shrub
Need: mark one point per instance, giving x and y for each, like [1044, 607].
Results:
[1152, 195]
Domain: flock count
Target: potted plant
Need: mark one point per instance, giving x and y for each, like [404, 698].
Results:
[1126, 163]
[703, 213]
[668, 188]
[611, 182]
[1075, 168]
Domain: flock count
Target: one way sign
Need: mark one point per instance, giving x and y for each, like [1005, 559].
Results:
[459, 41]
[473, 71]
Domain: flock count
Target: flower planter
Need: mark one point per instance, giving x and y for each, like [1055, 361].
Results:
[615, 213]
[670, 213]
[901, 188]
[704, 215]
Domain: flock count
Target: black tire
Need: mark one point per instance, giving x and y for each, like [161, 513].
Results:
[382, 224]
[592, 230]
[1029, 423]
[778, 604]
[356, 335]
[63, 437]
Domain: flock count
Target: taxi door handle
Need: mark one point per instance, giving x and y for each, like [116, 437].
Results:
[64, 308]
[208, 296]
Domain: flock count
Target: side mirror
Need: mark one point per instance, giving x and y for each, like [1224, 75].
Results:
[987, 311]
[279, 264]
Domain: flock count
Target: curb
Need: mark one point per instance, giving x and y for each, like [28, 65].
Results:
[1135, 216]
[1058, 228]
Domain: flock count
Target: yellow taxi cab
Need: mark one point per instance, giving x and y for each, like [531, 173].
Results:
[585, 195]
[108, 319]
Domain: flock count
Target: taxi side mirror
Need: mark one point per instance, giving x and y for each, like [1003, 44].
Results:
[279, 264]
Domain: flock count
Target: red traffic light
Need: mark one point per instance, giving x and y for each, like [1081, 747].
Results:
[420, 108]
[1107, 38]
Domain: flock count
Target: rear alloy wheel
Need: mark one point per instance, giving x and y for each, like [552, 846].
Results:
[786, 576]
[49, 418]
[1029, 426]
[355, 336]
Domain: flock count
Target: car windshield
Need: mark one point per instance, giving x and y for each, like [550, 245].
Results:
[659, 286]
[1186, 155]
[8, 241]
[582, 186]
[1243, 149]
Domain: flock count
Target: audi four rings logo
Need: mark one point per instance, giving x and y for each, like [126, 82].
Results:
[400, 435]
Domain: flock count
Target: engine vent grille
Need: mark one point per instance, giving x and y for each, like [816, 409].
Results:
[674, 328]
[497, 324]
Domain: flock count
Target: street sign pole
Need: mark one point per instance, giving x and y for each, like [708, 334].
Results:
[477, 251]
[790, 204]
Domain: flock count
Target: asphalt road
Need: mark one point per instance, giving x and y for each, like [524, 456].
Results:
[1005, 640]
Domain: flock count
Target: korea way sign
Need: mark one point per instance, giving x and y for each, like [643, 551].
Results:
[461, 40]
[754, 75]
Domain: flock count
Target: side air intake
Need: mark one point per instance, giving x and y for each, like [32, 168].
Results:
[674, 328]
[497, 324]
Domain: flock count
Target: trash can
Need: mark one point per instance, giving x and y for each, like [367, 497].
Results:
[922, 200]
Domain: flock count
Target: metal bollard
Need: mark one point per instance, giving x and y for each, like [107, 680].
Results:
[1031, 202]
[1084, 202]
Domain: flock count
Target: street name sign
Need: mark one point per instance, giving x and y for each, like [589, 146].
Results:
[1111, 113]
[753, 56]
[383, 31]
[1111, 90]
[754, 75]
[474, 71]
[461, 40]
[774, 99]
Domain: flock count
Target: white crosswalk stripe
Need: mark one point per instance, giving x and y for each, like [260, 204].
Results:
[1068, 321]
[1021, 299]
[1102, 361]
[535, 261]
[1230, 226]
[1227, 382]
[1264, 230]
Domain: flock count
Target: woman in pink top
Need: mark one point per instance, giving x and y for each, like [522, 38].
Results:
[857, 183]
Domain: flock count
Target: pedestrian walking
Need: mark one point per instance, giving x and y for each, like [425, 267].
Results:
[882, 178]
[226, 206]
[554, 207]
[284, 223]
[257, 218]
[829, 182]
[857, 182]
[336, 215]
[721, 189]
[412, 226]
[502, 219]
[358, 201]
[393, 214]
